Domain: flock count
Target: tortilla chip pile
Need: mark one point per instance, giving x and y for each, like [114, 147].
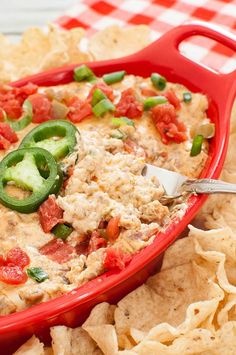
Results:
[189, 307]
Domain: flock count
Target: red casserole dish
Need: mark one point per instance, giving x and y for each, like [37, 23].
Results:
[162, 56]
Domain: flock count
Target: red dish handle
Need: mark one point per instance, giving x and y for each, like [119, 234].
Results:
[165, 51]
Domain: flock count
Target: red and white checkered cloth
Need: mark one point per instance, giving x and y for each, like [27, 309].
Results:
[161, 16]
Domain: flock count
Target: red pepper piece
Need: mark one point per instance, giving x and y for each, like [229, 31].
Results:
[128, 105]
[57, 250]
[82, 246]
[115, 259]
[96, 242]
[50, 214]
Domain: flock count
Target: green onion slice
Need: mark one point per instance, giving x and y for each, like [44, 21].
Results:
[102, 107]
[98, 95]
[119, 134]
[37, 274]
[158, 81]
[83, 72]
[197, 145]
[114, 77]
[62, 231]
[153, 101]
[122, 121]
[187, 97]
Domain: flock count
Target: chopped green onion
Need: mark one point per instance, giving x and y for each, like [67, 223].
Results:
[197, 145]
[92, 79]
[114, 77]
[83, 73]
[102, 107]
[118, 134]
[122, 121]
[158, 81]
[62, 231]
[153, 101]
[98, 95]
[37, 274]
[187, 97]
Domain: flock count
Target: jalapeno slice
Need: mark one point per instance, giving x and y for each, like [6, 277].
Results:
[57, 136]
[34, 170]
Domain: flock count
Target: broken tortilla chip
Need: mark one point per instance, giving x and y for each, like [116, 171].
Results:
[115, 42]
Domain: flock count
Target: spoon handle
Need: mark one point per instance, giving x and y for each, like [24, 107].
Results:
[208, 186]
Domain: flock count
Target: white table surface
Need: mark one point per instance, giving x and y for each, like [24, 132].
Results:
[17, 15]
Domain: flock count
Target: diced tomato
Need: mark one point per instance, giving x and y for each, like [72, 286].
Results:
[170, 129]
[104, 88]
[148, 92]
[7, 132]
[17, 256]
[57, 250]
[115, 259]
[2, 260]
[50, 214]
[79, 109]
[24, 91]
[128, 105]
[12, 275]
[96, 242]
[132, 147]
[42, 108]
[12, 107]
[4, 143]
[173, 99]
[113, 230]
[11, 100]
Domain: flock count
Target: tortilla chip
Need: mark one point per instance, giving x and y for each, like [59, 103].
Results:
[115, 42]
[219, 248]
[39, 50]
[181, 296]
[197, 341]
[61, 340]
[181, 252]
[32, 347]
[82, 343]
[103, 313]
[105, 336]
[228, 311]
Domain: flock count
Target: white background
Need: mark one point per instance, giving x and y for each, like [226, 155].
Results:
[17, 15]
